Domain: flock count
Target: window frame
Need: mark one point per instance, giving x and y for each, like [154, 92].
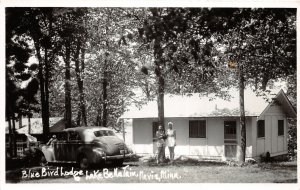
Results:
[258, 126]
[199, 124]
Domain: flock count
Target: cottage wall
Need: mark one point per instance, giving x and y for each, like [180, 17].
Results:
[210, 147]
[272, 143]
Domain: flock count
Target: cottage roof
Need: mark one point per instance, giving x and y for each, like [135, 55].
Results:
[60, 126]
[284, 102]
[203, 106]
[36, 125]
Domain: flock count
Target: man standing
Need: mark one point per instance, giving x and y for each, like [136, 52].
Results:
[52, 140]
[160, 135]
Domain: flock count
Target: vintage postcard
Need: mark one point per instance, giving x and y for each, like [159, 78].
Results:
[116, 93]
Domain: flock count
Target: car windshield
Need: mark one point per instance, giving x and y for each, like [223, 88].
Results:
[102, 133]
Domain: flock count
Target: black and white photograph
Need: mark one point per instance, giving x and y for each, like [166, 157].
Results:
[150, 95]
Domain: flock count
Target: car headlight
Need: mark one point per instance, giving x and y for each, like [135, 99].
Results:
[129, 150]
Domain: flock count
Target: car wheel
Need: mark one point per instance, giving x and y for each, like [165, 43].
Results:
[83, 162]
[42, 161]
[118, 162]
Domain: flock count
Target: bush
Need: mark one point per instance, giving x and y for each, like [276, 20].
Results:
[292, 139]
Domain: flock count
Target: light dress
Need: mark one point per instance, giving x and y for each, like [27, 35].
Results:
[171, 138]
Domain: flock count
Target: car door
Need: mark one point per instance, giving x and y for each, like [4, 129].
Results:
[59, 147]
[73, 143]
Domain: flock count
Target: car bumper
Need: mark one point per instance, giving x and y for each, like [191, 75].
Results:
[117, 157]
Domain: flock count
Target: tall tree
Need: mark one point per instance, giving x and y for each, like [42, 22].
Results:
[110, 63]
[21, 84]
[37, 24]
[71, 35]
[183, 52]
[79, 60]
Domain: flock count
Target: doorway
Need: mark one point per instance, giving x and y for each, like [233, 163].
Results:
[230, 139]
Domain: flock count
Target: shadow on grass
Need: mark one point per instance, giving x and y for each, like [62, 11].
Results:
[184, 161]
[278, 166]
[286, 181]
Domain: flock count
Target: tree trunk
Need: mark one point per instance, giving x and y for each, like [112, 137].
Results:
[78, 119]
[29, 124]
[160, 101]
[81, 111]
[10, 137]
[20, 121]
[104, 96]
[147, 90]
[46, 58]
[159, 66]
[242, 115]
[161, 83]
[14, 137]
[98, 118]
[42, 90]
[77, 71]
[46, 115]
[68, 111]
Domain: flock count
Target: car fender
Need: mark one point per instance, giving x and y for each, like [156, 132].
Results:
[47, 151]
[93, 154]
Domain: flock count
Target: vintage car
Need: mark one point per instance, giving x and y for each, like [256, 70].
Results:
[85, 146]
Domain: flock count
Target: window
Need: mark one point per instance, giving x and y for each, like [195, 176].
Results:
[73, 136]
[197, 129]
[229, 129]
[62, 136]
[102, 133]
[280, 127]
[260, 128]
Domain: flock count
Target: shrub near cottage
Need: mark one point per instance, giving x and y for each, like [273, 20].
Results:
[292, 139]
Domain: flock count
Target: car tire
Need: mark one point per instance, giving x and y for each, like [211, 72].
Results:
[83, 162]
[118, 162]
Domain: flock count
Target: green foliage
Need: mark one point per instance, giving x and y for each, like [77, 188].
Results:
[110, 61]
[189, 56]
[263, 42]
[292, 139]
[130, 49]
[20, 98]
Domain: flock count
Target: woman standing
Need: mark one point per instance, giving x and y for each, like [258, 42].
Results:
[171, 140]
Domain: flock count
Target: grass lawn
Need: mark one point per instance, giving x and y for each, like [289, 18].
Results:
[180, 172]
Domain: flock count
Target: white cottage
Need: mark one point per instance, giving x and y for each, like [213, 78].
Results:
[209, 128]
